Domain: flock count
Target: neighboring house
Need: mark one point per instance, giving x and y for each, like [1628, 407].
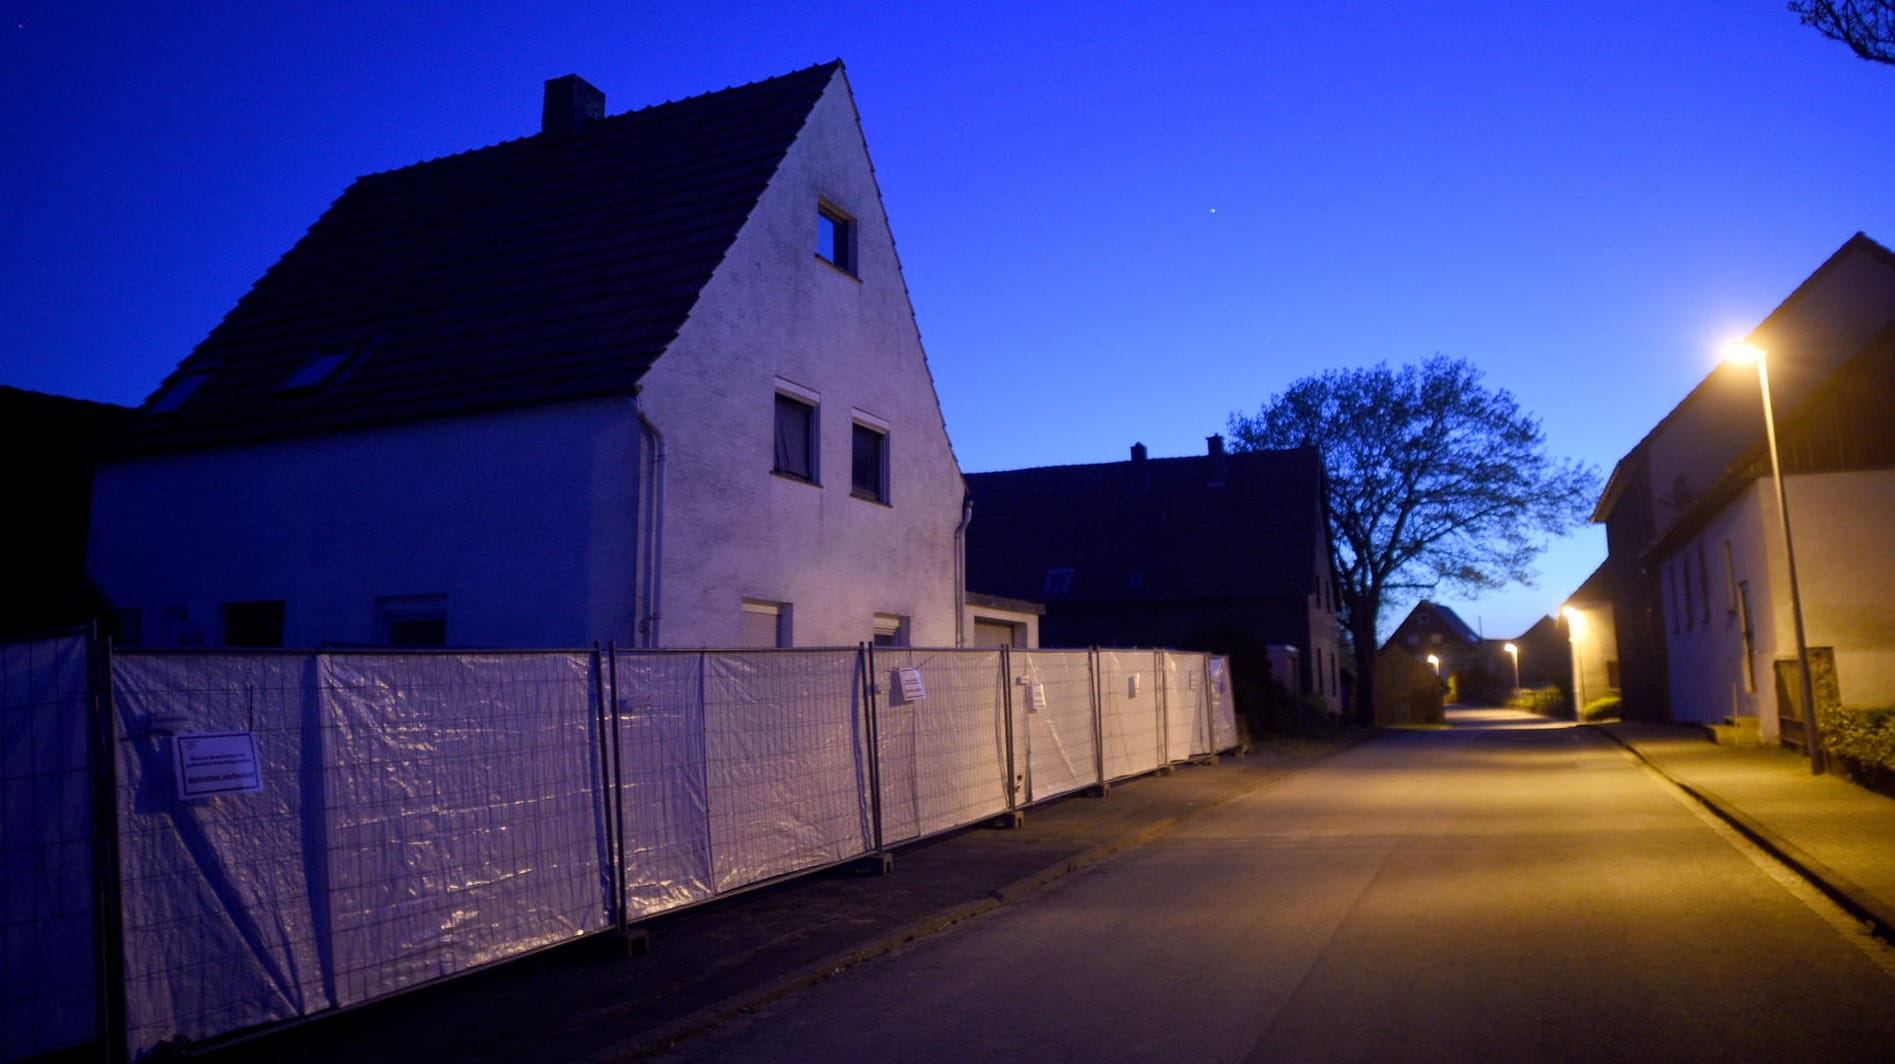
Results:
[1695, 569]
[1211, 552]
[993, 621]
[1434, 630]
[49, 444]
[651, 378]
[1407, 690]
[1586, 620]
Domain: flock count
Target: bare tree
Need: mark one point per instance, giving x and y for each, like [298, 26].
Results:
[1433, 481]
[1867, 26]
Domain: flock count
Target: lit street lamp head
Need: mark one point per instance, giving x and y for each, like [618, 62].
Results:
[1742, 354]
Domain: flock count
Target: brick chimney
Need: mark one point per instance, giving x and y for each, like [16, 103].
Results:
[1220, 464]
[570, 104]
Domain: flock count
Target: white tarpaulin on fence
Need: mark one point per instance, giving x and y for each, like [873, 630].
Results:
[1186, 727]
[418, 815]
[943, 754]
[1052, 693]
[664, 797]
[48, 991]
[785, 738]
[1129, 712]
[1223, 706]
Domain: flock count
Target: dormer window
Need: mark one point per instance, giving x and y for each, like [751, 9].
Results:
[175, 393]
[320, 370]
[835, 238]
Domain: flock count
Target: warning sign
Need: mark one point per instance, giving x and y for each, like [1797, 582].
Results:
[213, 763]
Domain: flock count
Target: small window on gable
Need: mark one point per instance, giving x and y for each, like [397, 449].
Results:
[890, 630]
[795, 437]
[175, 393]
[868, 463]
[835, 238]
[320, 370]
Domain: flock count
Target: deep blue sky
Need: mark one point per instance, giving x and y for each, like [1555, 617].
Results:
[1119, 222]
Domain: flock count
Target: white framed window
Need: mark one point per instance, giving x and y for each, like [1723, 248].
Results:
[835, 237]
[796, 433]
[890, 630]
[411, 620]
[764, 624]
[868, 458]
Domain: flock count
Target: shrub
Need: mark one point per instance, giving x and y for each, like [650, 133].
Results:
[1598, 709]
[1862, 743]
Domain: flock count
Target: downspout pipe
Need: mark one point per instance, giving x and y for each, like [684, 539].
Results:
[653, 534]
[960, 570]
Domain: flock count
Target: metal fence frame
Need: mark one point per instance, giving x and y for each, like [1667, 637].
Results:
[963, 759]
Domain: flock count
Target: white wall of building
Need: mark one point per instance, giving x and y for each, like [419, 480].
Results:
[733, 531]
[523, 520]
[1840, 522]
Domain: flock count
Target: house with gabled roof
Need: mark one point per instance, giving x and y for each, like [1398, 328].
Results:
[1696, 572]
[1219, 551]
[651, 378]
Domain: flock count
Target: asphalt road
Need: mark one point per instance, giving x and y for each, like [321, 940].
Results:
[1504, 890]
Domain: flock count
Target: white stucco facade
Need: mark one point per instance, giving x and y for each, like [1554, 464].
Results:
[777, 312]
[520, 522]
[1840, 523]
[648, 520]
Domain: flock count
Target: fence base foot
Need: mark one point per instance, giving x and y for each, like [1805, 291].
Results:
[1167, 770]
[1008, 821]
[1099, 790]
[874, 864]
[630, 942]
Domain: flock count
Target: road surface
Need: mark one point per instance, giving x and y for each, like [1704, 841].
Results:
[1503, 890]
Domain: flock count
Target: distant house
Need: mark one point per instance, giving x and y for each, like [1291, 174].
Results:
[1586, 619]
[1463, 658]
[1205, 552]
[651, 378]
[49, 444]
[1696, 570]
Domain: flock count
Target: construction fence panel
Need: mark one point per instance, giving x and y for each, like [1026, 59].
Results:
[1187, 730]
[941, 730]
[412, 816]
[1223, 706]
[786, 746]
[1052, 694]
[663, 786]
[465, 820]
[222, 929]
[48, 909]
[1130, 713]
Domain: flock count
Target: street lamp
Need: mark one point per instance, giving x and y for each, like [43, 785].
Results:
[1574, 627]
[1742, 354]
[1435, 664]
[1514, 653]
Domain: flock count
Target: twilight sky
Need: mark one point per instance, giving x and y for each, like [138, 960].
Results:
[1119, 222]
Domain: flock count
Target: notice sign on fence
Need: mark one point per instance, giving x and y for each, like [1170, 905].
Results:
[213, 763]
[912, 689]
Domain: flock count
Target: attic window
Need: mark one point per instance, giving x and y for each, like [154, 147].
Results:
[835, 238]
[174, 394]
[320, 370]
[1059, 582]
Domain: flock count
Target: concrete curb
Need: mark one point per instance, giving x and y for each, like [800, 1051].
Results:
[659, 1039]
[1837, 887]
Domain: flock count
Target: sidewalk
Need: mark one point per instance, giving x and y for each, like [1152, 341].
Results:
[1834, 833]
[590, 1002]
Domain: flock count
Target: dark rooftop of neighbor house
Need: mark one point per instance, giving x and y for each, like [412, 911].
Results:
[1215, 526]
[554, 267]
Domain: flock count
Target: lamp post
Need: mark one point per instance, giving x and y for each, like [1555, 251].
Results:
[1514, 653]
[1812, 731]
[1574, 626]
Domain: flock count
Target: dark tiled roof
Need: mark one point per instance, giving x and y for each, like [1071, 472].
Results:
[542, 269]
[1148, 531]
